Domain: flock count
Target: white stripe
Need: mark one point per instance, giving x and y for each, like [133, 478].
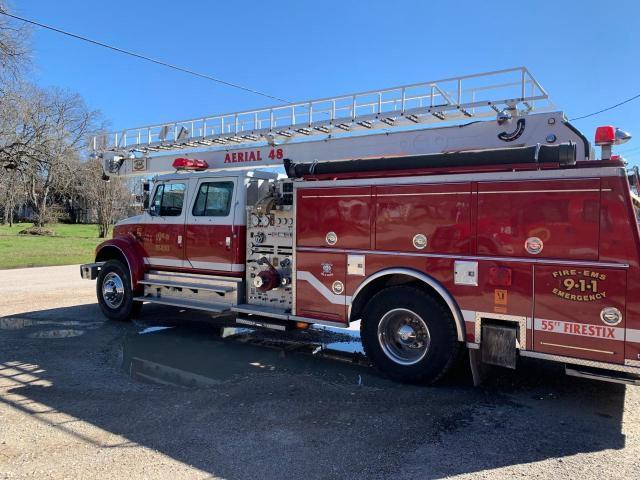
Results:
[420, 194]
[335, 196]
[322, 289]
[542, 191]
[170, 262]
[468, 315]
[580, 329]
[226, 267]
[633, 335]
[166, 262]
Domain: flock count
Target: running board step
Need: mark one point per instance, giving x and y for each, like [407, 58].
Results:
[190, 304]
[602, 375]
[265, 323]
[190, 286]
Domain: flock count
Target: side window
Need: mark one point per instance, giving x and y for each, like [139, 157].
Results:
[167, 201]
[213, 199]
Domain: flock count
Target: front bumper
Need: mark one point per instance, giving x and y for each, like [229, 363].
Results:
[89, 271]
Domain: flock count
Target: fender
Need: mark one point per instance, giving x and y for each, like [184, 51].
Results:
[428, 280]
[128, 248]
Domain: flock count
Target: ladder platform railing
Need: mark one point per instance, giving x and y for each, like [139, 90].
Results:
[450, 100]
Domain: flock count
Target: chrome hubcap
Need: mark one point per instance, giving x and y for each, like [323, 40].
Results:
[404, 336]
[113, 290]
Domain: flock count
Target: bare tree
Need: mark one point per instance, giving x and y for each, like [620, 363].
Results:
[110, 199]
[41, 137]
[14, 47]
[12, 195]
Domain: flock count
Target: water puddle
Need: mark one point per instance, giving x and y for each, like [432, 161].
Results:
[204, 356]
[19, 323]
[56, 333]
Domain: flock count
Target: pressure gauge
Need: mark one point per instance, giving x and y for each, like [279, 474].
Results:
[255, 220]
[264, 220]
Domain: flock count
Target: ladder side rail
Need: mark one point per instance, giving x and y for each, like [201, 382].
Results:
[285, 117]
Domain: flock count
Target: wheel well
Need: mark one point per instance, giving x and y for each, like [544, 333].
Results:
[392, 279]
[111, 253]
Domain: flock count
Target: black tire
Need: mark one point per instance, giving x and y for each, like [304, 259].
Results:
[113, 307]
[427, 353]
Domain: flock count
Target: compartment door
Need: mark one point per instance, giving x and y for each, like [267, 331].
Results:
[334, 217]
[320, 285]
[567, 312]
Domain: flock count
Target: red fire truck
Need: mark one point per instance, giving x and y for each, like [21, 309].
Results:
[495, 230]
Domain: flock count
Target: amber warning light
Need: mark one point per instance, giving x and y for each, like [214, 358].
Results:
[190, 164]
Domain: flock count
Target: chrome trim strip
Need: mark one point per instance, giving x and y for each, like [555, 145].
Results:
[421, 194]
[542, 191]
[433, 283]
[126, 260]
[579, 361]
[520, 320]
[294, 253]
[578, 173]
[603, 378]
[334, 196]
[577, 263]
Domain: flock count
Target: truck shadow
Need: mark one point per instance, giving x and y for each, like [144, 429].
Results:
[240, 404]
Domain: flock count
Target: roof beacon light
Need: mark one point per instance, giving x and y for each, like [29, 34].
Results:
[190, 164]
[605, 135]
[608, 135]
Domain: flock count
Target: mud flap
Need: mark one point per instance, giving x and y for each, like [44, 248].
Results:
[478, 369]
[499, 345]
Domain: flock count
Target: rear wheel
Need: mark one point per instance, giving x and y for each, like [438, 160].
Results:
[115, 296]
[408, 335]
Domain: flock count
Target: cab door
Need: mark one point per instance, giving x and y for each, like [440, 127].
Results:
[163, 237]
[214, 240]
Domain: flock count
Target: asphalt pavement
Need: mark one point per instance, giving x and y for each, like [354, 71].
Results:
[175, 395]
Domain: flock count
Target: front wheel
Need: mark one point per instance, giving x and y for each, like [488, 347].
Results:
[408, 335]
[114, 292]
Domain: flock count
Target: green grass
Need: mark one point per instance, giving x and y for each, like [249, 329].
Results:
[71, 244]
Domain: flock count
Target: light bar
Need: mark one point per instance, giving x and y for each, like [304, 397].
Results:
[190, 164]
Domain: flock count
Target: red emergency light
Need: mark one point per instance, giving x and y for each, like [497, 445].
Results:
[190, 164]
[605, 135]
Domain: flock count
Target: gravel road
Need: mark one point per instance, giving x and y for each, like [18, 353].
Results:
[82, 397]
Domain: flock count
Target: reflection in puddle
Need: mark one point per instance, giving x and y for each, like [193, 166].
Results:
[57, 333]
[18, 323]
[204, 357]
[152, 329]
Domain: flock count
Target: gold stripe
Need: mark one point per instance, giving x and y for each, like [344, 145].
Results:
[576, 348]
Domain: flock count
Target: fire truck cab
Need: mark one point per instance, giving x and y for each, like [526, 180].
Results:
[505, 237]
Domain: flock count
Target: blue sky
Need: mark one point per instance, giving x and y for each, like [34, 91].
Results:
[585, 53]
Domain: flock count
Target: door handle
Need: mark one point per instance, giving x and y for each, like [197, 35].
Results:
[227, 242]
[179, 240]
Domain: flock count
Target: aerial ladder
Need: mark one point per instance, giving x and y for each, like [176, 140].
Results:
[441, 116]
